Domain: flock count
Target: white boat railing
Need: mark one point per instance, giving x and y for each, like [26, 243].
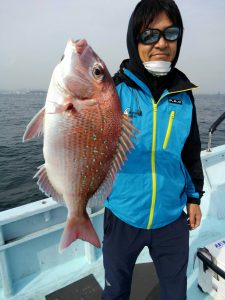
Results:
[213, 128]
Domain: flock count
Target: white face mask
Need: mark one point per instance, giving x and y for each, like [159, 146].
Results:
[158, 68]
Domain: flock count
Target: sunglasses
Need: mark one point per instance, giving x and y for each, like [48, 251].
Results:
[151, 36]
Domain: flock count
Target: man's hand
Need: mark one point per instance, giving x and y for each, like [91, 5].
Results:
[194, 214]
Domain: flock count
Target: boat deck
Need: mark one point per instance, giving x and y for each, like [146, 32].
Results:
[32, 268]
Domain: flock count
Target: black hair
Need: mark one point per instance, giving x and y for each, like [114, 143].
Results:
[147, 10]
[144, 13]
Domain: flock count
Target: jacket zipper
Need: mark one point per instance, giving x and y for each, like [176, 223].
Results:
[169, 128]
[154, 182]
[153, 165]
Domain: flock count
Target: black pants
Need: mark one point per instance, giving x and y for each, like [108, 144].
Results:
[168, 247]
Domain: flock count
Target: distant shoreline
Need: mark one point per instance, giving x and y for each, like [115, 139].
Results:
[38, 92]
[22, 92]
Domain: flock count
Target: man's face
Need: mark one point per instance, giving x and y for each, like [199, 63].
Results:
[161, 50]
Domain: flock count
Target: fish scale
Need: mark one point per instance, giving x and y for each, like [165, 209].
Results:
[94, 159]
[86, 138]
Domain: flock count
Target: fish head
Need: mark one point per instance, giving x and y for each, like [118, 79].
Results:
[83, 74]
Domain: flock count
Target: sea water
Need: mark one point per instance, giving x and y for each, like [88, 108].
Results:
[19, 161]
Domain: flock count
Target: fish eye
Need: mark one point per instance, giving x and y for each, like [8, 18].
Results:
[97, 72]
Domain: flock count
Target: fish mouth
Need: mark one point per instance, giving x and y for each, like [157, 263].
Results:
[78, 46]
[75, 78]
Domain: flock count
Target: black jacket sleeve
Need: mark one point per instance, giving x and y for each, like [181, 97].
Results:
[191, 156]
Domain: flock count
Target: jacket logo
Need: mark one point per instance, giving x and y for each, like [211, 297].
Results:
[132, 114]
[175, 101]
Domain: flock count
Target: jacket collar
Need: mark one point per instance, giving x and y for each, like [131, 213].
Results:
[177, 81]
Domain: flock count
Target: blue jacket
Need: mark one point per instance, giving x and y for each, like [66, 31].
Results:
[164, 169]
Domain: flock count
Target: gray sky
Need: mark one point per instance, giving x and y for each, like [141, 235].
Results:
[33, 35]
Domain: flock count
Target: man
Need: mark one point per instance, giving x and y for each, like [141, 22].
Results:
[164, 173]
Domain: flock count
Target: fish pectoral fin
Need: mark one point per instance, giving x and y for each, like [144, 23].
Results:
[69, 103]
[82, 229]
[83, 104]
[55, 108]
[45, 185]
[35, 127]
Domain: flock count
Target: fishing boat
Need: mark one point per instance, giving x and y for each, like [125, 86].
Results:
[32, 268]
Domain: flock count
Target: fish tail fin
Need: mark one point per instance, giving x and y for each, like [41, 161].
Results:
[78, 229]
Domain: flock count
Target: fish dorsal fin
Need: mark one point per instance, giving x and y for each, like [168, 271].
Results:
[124, 145]
[35, 127]
[45, 185]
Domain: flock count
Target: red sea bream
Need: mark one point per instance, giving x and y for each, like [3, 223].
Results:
[86, 137]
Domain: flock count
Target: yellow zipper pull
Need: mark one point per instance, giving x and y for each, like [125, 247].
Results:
[172, 114]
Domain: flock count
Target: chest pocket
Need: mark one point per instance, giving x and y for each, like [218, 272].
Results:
[169, 129]
[177, 121]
